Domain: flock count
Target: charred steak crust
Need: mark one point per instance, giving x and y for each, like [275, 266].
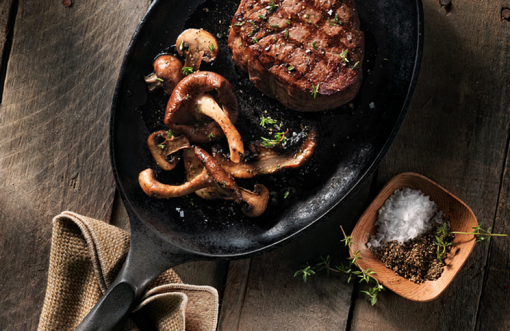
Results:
[307, 54]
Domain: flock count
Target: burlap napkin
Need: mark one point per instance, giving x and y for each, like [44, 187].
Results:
[86, 254]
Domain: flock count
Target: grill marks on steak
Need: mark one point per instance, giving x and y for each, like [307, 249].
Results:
[289, 47]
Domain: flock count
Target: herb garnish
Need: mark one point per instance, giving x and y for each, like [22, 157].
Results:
[239, 23]
[255, 40]
[335, 21]
[290, 68]
[263, 17]
[315, 90]
[169, 134]
[267, 120]
[274, 26]
[362, 274]
[443, 232]
[343, 56]
[254, 29]
[187, 70]
[272, 6]
[161, 146]
[355, 65]
[181, 46]
[210, 136]
[211, 47]
[159, 80]
[286, 34]
[279, 138]
[313, 44]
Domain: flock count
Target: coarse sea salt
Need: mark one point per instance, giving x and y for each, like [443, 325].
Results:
[405, 215]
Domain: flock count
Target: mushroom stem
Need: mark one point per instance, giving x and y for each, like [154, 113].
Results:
[208, 106]
[256, 201]
[269, 161]
[153, 82]
[155, 189]
[224, 180]
[162, 152]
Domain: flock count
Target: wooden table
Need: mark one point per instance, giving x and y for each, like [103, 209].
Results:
[59, 67]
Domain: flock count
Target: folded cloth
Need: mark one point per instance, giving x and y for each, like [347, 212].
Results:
[87, 254]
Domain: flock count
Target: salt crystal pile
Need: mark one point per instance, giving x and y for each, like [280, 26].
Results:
[406, 215]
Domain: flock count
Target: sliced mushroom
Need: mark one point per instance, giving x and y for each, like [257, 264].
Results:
[153, 188]
[194, 167]
[190, 100]
[164, 146]
[167, 73]
[256, 201]
[224, 180]
[268, 161]
[197, 45]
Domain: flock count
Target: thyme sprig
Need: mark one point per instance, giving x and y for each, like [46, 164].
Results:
[443, 231]
[315, 90]
[481, 234]
[267, 120]
[271, 7]
[362, 274]
[280, 137]
[187, 70]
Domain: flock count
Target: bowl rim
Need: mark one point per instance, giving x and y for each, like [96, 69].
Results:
[428, 290]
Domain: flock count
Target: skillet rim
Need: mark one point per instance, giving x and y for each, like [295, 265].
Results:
[134, 217]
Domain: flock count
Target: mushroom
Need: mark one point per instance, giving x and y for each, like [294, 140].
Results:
[197, 45]
[268, 160]
[153, 188]
[224, 180]
[190, 101]
[224, 186]
[208, 181]
[163, 145]
[167, 73]
[256, 201]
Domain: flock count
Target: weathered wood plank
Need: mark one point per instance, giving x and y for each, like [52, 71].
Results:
[54, 122]
[456, 134]
[262, 294]
[7, 11]
[494, 311]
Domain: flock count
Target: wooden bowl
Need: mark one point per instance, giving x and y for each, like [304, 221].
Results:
[461, 219]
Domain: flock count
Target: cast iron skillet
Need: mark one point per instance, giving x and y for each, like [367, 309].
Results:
[353, 140]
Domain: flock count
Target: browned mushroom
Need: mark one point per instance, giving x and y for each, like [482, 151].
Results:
[205, 179]
[224, 180]
[167, 73]
[153, 188]
[268, 160]
[197, 45]
[256, 201]
[164, 146]
[189, 103]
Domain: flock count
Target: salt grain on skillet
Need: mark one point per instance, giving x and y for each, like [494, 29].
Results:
[406, 215]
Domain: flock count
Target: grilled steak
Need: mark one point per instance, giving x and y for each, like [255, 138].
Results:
[305, 53]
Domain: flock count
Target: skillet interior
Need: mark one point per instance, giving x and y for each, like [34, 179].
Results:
[353, 139]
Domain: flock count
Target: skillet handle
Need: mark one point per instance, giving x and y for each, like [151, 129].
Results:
[148, 257]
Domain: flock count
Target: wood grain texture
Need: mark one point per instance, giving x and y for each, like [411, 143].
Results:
[54, 119]
[262, 294]
[494, 310]
[455, 133]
